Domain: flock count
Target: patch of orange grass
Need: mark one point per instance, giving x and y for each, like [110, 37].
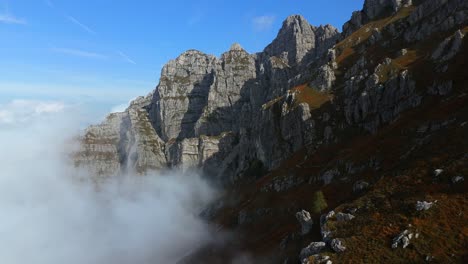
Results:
[348, 51]
[409, 58]
[345, 46]
[465, 29]
[314, 98]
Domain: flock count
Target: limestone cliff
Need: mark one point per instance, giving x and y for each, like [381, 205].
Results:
[372, 121]
[241, 114]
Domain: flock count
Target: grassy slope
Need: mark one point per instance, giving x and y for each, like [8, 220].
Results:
[407, 159]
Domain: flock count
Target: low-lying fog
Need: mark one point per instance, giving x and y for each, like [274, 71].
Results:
[48, 217]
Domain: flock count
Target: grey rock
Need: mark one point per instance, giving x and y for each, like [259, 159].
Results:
[328, 176]
[325, 78]
[443, 88]
[458, 179]
[282, 183]
[342, 217]
[433, 16]
[449, 47]
[375, 8]
[403, 238]
[360, 186]
[312, 249]
[318, 259]
[438, 172]
[405, 241]
[423, 206]
[403, 52]
[305, 220]
[324, 229]
[337, 245]
[297, 40]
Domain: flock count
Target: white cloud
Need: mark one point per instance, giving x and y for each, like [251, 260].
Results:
[79, 53]
[81, 25]
[262, 23]
[11, 19]
[49, 217]
[126, 57]
[21, 111]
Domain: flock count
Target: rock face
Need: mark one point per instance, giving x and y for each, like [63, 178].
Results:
[376, 8]
[298, 40]
[206, 112]
[240, 115]
[295, 109]
[305, 220]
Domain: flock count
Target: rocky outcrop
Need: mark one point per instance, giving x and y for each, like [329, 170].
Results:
[300, 42]
[360, 186]
[312, 249]
[449, 47]
[305, 220]
[324, 229]
[423, 205]
[376, 8]
[240, 114]
[343, 217]
[402, 239]
[317, 259]
[206, 112]
[337, 245]
[372, 10]
[435, 16]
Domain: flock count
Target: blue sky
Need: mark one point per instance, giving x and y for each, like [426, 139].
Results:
[109, 51]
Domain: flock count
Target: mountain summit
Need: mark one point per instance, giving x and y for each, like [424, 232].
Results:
[367, 125]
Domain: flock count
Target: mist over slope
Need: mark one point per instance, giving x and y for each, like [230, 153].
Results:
[49, 215]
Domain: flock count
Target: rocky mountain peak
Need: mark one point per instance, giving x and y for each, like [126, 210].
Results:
[291, 110]
[297, 40]
[236, 47]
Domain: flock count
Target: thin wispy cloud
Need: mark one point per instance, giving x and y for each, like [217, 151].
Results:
[263, 23]
[79, 53]
[81, 25]
[11, 19]
[126, 58]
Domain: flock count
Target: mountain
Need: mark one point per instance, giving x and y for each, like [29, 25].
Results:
[374, 119]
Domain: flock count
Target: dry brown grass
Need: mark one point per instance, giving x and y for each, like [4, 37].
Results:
[315, 99]
[345, 47]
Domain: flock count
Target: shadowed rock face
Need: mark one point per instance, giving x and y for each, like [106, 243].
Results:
[240, 114]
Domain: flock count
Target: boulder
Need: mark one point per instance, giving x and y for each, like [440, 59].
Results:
[402, 239]
[360, 186]
[458, 179]
[312, 249]
[423, 206]
[337, 245]
[342, 217]
[305, 220]
[438, 172]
